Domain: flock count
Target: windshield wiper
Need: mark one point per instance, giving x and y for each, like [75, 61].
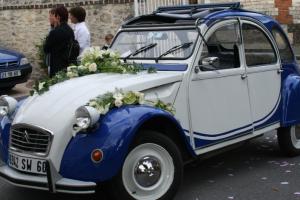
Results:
[142, 49]
[175, 48]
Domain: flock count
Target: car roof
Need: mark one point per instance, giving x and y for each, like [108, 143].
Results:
[189, 14]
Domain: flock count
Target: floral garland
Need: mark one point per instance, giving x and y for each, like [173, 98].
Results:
[119, 98]
[93, 61]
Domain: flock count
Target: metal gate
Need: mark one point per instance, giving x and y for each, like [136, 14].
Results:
[148, 6]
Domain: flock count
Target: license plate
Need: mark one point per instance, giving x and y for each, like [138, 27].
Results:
[26, 164]
[10, 74]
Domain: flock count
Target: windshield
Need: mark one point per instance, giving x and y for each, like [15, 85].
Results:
[159, 41]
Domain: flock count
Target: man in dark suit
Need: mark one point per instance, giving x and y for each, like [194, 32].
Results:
[58, 41]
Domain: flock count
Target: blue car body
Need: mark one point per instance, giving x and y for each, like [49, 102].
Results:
[10, 62]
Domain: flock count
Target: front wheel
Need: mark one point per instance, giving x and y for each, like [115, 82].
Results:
[152, 170]
[289, 140]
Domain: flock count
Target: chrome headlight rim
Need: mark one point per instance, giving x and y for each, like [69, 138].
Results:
[8, 105]
[86, 117]
[24, 61]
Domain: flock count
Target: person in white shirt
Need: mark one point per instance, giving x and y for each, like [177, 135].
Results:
[81, 32]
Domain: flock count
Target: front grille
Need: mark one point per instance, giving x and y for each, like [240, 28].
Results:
[30, 139]
[8, 64]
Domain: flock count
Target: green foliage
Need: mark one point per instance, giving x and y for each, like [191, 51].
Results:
[119, 98]
[93, 61]
[41, 54]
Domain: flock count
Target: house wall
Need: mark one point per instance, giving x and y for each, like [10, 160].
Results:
[25, 22]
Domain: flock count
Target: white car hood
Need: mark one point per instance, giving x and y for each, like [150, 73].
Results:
[64, 98]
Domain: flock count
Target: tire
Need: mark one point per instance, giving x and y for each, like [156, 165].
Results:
[163, 177]
[289, 140]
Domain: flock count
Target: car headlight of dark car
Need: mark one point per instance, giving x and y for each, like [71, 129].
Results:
[24, 61]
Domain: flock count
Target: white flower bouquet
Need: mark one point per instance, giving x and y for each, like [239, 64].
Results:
[119, 98]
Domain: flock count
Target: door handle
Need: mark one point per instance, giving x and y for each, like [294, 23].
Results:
[279, 71]
[244, 76]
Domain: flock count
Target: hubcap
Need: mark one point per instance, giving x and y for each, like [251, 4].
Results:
[147, 171]
[297, 132]
[295, 136]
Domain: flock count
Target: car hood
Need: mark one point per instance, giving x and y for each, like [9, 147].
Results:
[8, 55]
[62, 100]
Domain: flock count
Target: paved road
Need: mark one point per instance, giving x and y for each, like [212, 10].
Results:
[256, 171]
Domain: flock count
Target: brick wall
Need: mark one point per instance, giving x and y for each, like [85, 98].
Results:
[24, 23]
[266, 6]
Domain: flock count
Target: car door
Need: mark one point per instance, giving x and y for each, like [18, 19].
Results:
[218, 95]
[263, 75]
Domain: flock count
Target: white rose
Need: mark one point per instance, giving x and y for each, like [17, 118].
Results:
[112, 54]
[93, 103]
[41, 85]
[100, 109]
[93, 67]
[141, 97]
[103, 109]
[118, 95]
[71, 68]
[118, 103]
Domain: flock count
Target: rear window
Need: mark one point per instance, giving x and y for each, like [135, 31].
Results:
[286, 53]
[258, 48]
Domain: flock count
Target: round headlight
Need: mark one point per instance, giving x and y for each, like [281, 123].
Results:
[86, 117]
[7, 105]
[24, 61]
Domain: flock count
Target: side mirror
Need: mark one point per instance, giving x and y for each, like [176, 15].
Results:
[210, 64]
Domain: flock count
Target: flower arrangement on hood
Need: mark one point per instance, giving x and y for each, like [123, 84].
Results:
[119, 98]
[93, 61]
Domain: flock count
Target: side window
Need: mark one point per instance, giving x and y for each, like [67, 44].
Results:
[285, 51]
[223, 44]
[258, 48]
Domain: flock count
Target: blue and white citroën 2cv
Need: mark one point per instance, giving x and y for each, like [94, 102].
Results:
[230, 74]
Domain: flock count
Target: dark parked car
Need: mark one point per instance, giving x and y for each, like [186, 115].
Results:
[14, 69]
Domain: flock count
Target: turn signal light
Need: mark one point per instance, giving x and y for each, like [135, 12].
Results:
[97, 155]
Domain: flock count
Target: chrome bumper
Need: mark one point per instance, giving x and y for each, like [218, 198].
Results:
[53, 182]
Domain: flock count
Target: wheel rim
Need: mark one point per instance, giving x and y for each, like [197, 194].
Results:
[295, 136]
[148, 172]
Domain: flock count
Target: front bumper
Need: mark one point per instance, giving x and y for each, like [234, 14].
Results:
[25, 74]
[53, 182]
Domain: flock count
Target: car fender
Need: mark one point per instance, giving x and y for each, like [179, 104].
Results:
[291, 100]
[114, 135]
